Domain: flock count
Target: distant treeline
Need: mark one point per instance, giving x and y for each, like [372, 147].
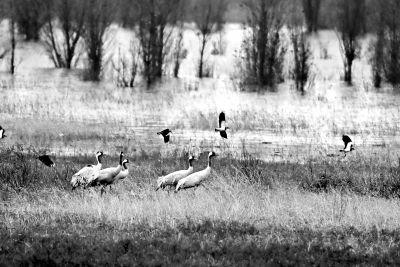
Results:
[31, 13]
[71, 28]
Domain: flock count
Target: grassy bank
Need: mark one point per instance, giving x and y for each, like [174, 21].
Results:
[203, 243]
[249, 212]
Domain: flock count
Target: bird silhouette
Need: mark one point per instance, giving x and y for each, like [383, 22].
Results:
[46, 160]
[348, 144]
[2, 133]
[222, 126]
[165, 134]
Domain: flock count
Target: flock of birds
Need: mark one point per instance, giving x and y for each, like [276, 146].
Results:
[94, 175]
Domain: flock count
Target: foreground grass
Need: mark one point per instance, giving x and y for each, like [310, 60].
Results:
[90, 243]
[249, 212]
[231, 227]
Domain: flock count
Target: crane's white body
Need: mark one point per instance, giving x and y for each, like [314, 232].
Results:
[87, 174]
[107, 176]
[195, 179]
[173, 178]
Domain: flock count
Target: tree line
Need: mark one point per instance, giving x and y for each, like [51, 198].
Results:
[71, 29]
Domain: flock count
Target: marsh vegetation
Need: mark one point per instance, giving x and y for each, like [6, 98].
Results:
[275, 195]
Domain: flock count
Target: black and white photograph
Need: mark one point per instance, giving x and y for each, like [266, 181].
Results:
[199, 133]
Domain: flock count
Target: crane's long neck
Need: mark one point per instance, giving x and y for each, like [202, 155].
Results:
[125, 166]
[120, 159]
[190, 164]
[98, 161]
[209, 162]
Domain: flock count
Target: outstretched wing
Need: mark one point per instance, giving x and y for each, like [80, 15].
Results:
[223, 134]
[221, 120]
[46, 160]
[164, 132]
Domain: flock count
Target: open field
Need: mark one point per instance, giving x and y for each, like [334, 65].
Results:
[274, 196]
[250, 212]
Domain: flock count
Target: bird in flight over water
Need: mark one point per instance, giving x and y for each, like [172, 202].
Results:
[2, 133]
[46, 160]
[222, 126]
[165, 134]
[348, 144]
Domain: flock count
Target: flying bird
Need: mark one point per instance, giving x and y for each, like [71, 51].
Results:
[348, 144]
[2, 133]
[46, 160]
[165, 134]
[222, 126]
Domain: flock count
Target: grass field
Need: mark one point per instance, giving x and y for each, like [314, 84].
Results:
[298, 208]
[249, 212]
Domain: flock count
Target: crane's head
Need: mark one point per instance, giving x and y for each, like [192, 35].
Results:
[126, 161]
[212, 154]
[121, 155]
[74, 182]
[160, 183]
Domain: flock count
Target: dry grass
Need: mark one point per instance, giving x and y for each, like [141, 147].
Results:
[303, 208]
[249, 212]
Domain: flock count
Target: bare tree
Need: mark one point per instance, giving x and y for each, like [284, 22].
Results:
[391, 43]
[179, 53]
[385, 48]
[63, 30]
[98, 18]
[9, 8]
[29, 17]
[208, 15]
[377, 46]
[155, 19]
[262, 50]
[311, 10]
[13, 42]
[301, 57]
[300, 71]
[125, 67]
[350, 24]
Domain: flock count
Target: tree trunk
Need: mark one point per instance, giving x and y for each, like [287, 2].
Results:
[160, 52]
[13, 44]
[262, 42]
[348, 71]
[176, 67]
[201, 63]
